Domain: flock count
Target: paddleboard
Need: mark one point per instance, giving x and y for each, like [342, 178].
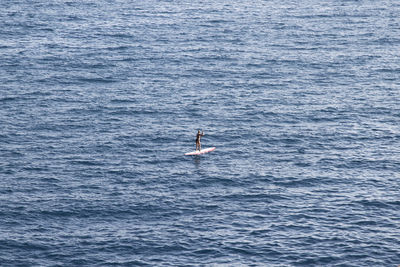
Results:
[203, 151]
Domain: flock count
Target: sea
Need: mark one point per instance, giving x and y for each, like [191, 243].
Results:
[101, 99]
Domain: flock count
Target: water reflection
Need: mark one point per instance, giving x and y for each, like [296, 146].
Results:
[196, 160]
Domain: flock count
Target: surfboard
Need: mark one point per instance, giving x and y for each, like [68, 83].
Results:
[203, 151]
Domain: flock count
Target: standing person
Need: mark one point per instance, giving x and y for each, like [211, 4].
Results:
[198, 137]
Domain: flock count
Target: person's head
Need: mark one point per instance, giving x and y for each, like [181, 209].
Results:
[198, 131]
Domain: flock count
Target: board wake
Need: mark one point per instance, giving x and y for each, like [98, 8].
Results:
[203, 151]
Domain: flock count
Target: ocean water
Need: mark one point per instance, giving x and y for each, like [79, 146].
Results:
[99, 101]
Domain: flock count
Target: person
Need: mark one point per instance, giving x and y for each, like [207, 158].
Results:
[198, 137]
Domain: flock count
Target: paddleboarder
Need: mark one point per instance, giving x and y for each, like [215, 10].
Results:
[198, 137]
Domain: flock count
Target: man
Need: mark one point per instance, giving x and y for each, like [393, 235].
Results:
[198, 137]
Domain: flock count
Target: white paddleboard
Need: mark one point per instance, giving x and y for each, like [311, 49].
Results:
[203, 151]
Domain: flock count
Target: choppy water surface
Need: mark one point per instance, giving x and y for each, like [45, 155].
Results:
[99, 100]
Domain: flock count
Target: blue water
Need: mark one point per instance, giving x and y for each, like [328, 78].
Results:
[99, 100]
